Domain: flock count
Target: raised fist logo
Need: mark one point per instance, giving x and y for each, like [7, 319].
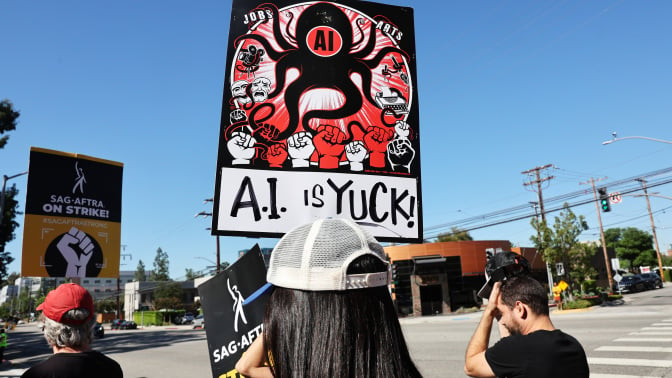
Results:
[74, 254]
[76, 261]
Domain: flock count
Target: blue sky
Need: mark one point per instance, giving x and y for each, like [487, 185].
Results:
[504, 86]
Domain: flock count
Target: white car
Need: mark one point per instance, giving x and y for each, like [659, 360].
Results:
[198, 321]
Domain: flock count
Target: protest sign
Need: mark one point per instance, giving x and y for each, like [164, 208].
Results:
[230, 327]
[319, 119]
[72, 226]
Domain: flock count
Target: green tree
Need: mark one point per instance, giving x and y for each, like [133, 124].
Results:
[11, 279]
[633, 246]
[190, 274]
[140, 272]
[8, 118]
[168, 295]
[581, 256]
[8, 121]
[561, 244]
[161, 264]
[455, 234]
[107, 305]
[7, 227]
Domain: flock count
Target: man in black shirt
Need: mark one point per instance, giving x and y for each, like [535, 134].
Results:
[68, 328]
[530, 344]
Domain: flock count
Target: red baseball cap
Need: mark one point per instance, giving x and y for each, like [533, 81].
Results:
[66, 297]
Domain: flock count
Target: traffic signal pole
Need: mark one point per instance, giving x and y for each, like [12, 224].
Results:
[604, 243]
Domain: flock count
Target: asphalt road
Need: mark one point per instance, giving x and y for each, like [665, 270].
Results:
[630, 339]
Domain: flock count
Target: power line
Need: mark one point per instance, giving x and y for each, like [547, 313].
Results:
[516, 213]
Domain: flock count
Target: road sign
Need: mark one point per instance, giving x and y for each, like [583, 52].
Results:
[615, 263]
[560, 269]
[618, 277]
[615, 197]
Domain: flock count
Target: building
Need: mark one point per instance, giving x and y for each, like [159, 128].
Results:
[7, 293]
[100, 288]
[139, 295]
[441, 277]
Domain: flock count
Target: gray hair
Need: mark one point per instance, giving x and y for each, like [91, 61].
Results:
[72, 336]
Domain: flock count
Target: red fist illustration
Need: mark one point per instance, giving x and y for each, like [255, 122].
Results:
[276, 155]
[329, 145]
[268, 132]
[376, 140]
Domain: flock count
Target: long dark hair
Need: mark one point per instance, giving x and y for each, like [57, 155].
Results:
[353, 333]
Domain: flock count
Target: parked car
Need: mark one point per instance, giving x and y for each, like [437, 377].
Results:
[188, 318]
[116, 323]
[123, 324]
[98, 331]
[652, 279]
[199, 321]
[631, 284]
[129, 324]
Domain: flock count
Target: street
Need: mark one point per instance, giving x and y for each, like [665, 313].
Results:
[629, 339]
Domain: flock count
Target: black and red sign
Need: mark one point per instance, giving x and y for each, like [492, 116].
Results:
[326, 88]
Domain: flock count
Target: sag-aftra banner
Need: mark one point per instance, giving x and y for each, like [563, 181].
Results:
[230, 326]
[72, 225]
[319, 119]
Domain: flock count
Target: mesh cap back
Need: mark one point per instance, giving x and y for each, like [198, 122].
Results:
[316, 257]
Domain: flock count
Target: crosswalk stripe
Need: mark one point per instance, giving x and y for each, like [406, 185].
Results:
[664, 333]
[633, 349]
[656, 328]
[661, 324]
[646, 339]
[618, 376]
[628, 362]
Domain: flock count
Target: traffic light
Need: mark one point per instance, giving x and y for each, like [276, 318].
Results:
[395, 274]
[604, 199]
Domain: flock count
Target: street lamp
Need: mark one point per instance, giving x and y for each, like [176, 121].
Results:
[643, 182]
[214, 265]
[6, 178]
[616, 139]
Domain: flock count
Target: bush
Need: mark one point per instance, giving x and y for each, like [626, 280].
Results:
[613, 297]
[589, 286]
[579, 303]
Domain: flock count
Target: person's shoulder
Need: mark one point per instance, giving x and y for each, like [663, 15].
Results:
[44, 368]
[100, 356]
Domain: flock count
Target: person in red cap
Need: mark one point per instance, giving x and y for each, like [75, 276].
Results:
[68, 327]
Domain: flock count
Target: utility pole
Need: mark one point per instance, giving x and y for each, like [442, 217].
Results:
[538, 180]
[653, 229]
[599, 220]
[123, 256]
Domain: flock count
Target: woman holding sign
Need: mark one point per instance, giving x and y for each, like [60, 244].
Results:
[330, 313]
